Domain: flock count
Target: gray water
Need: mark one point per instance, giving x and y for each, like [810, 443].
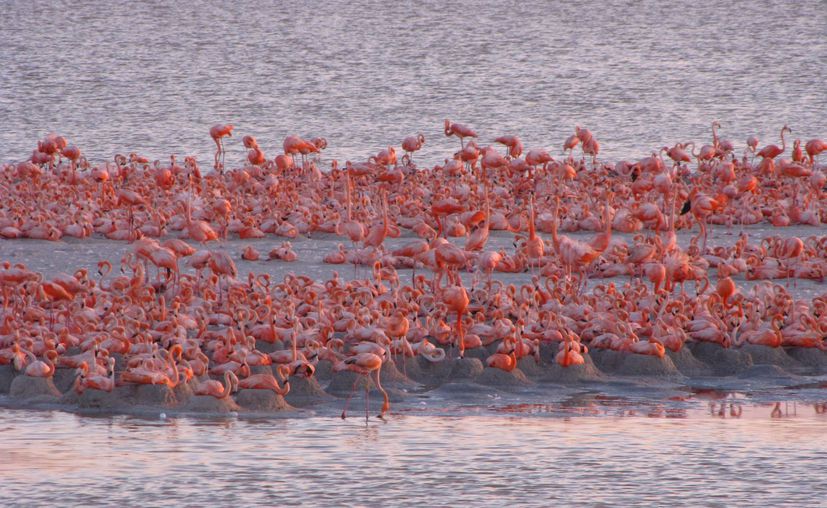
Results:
[152, 77]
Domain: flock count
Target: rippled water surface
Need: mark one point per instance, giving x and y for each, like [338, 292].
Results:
[152, 77]
[58, 458]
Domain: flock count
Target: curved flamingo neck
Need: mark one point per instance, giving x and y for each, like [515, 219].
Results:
[281, 390]
[176, 375]
[47, 359]
[386, 400]
[227, 388]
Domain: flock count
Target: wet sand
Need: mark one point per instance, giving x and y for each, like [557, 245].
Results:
[760, 375]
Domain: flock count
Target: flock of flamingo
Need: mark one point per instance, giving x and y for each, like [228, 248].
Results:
[175, 325]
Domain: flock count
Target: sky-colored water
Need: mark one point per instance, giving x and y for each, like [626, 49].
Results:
[53, 458]
[152, 77]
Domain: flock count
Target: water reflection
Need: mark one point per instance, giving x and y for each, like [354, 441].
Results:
[730, 405]
[645, 454]
[723, 409]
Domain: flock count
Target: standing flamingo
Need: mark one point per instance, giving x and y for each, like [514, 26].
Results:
[570, 144]
[573, 253]
[456, 298]
[367, 365]
[772, 151]
[410, 145]
[460, 131]
[814, 147]
[513, 144]
[218, 132]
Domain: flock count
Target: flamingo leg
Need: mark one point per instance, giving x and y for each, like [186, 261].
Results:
[386, 401]
[367, 401]
[347, 401]
[460, 336]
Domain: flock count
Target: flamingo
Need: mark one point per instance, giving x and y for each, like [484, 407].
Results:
[813, 148]
[367, 365]
[570, 144]
[773, 151]
[267, 381]
[573, 253]
[504, 360]
[460, 131]
[412, 144]
[85, 380]
[217, 389]
[218, 132]
[568, 355]
[456, 299]
[513, 144]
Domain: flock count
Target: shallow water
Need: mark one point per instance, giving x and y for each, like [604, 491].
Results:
[120, 76]
[70, 254]
[413, 460]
